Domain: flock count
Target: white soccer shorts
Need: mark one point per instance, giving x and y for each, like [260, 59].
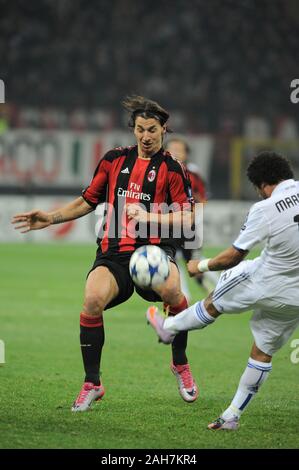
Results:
[272, 322]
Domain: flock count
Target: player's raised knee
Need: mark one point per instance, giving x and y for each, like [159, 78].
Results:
[94, 304]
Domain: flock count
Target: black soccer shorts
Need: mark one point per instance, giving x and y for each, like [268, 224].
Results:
[118, 265]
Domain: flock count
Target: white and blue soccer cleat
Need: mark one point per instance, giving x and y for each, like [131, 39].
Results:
[222, 424]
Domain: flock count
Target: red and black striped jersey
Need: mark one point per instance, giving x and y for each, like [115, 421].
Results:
[122, 178]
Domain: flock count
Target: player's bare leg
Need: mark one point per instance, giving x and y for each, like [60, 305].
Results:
[101, 288]
[255, 374]
[175, 302]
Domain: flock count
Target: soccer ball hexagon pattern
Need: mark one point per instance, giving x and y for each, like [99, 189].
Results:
[149, 266]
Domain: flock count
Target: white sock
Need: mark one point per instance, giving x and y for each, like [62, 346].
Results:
[253, 377]
[193, 318]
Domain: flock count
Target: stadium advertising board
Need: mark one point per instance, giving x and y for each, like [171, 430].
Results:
[68, 159]
[221, 221]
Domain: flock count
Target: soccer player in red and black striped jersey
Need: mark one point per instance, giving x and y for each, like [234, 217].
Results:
[128, 180]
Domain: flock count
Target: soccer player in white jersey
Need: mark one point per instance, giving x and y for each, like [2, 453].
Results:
[268, 285]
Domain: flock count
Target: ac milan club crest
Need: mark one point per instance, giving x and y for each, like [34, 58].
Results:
[151, 176]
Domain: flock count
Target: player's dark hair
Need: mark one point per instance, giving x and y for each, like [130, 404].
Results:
[140, 106]
[270, 168]
[179, 139]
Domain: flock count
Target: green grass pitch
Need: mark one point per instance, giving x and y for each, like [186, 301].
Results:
[41, 296]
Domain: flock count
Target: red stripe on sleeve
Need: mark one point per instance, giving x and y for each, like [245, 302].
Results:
[95, 193]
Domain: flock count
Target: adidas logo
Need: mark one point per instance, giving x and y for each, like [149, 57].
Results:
[126, 171]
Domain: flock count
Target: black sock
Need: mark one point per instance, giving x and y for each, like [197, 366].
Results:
[179, 346]
[92, 341]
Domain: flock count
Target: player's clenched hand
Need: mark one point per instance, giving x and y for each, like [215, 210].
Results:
[137, 213]
[193, 267]
[33, 220]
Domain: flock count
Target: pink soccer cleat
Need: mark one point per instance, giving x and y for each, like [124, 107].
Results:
[186, 384]
[88, 394]
[157, 322]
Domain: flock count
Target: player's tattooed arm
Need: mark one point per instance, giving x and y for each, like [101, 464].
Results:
[73, 210]
[57, 218]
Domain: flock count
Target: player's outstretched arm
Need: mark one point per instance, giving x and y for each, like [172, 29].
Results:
[136, 212]
[36, 219]
[225, 260]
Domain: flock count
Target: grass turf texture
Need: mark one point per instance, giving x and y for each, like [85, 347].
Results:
[41, 296]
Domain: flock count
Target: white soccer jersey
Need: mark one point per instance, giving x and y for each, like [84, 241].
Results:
[276, 221]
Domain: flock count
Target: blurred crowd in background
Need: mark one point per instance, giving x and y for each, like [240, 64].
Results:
[69, 63]
[223, 68]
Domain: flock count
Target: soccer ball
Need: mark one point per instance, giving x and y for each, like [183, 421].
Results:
[149, 266]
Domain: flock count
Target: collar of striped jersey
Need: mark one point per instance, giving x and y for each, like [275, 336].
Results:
[160, 152]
